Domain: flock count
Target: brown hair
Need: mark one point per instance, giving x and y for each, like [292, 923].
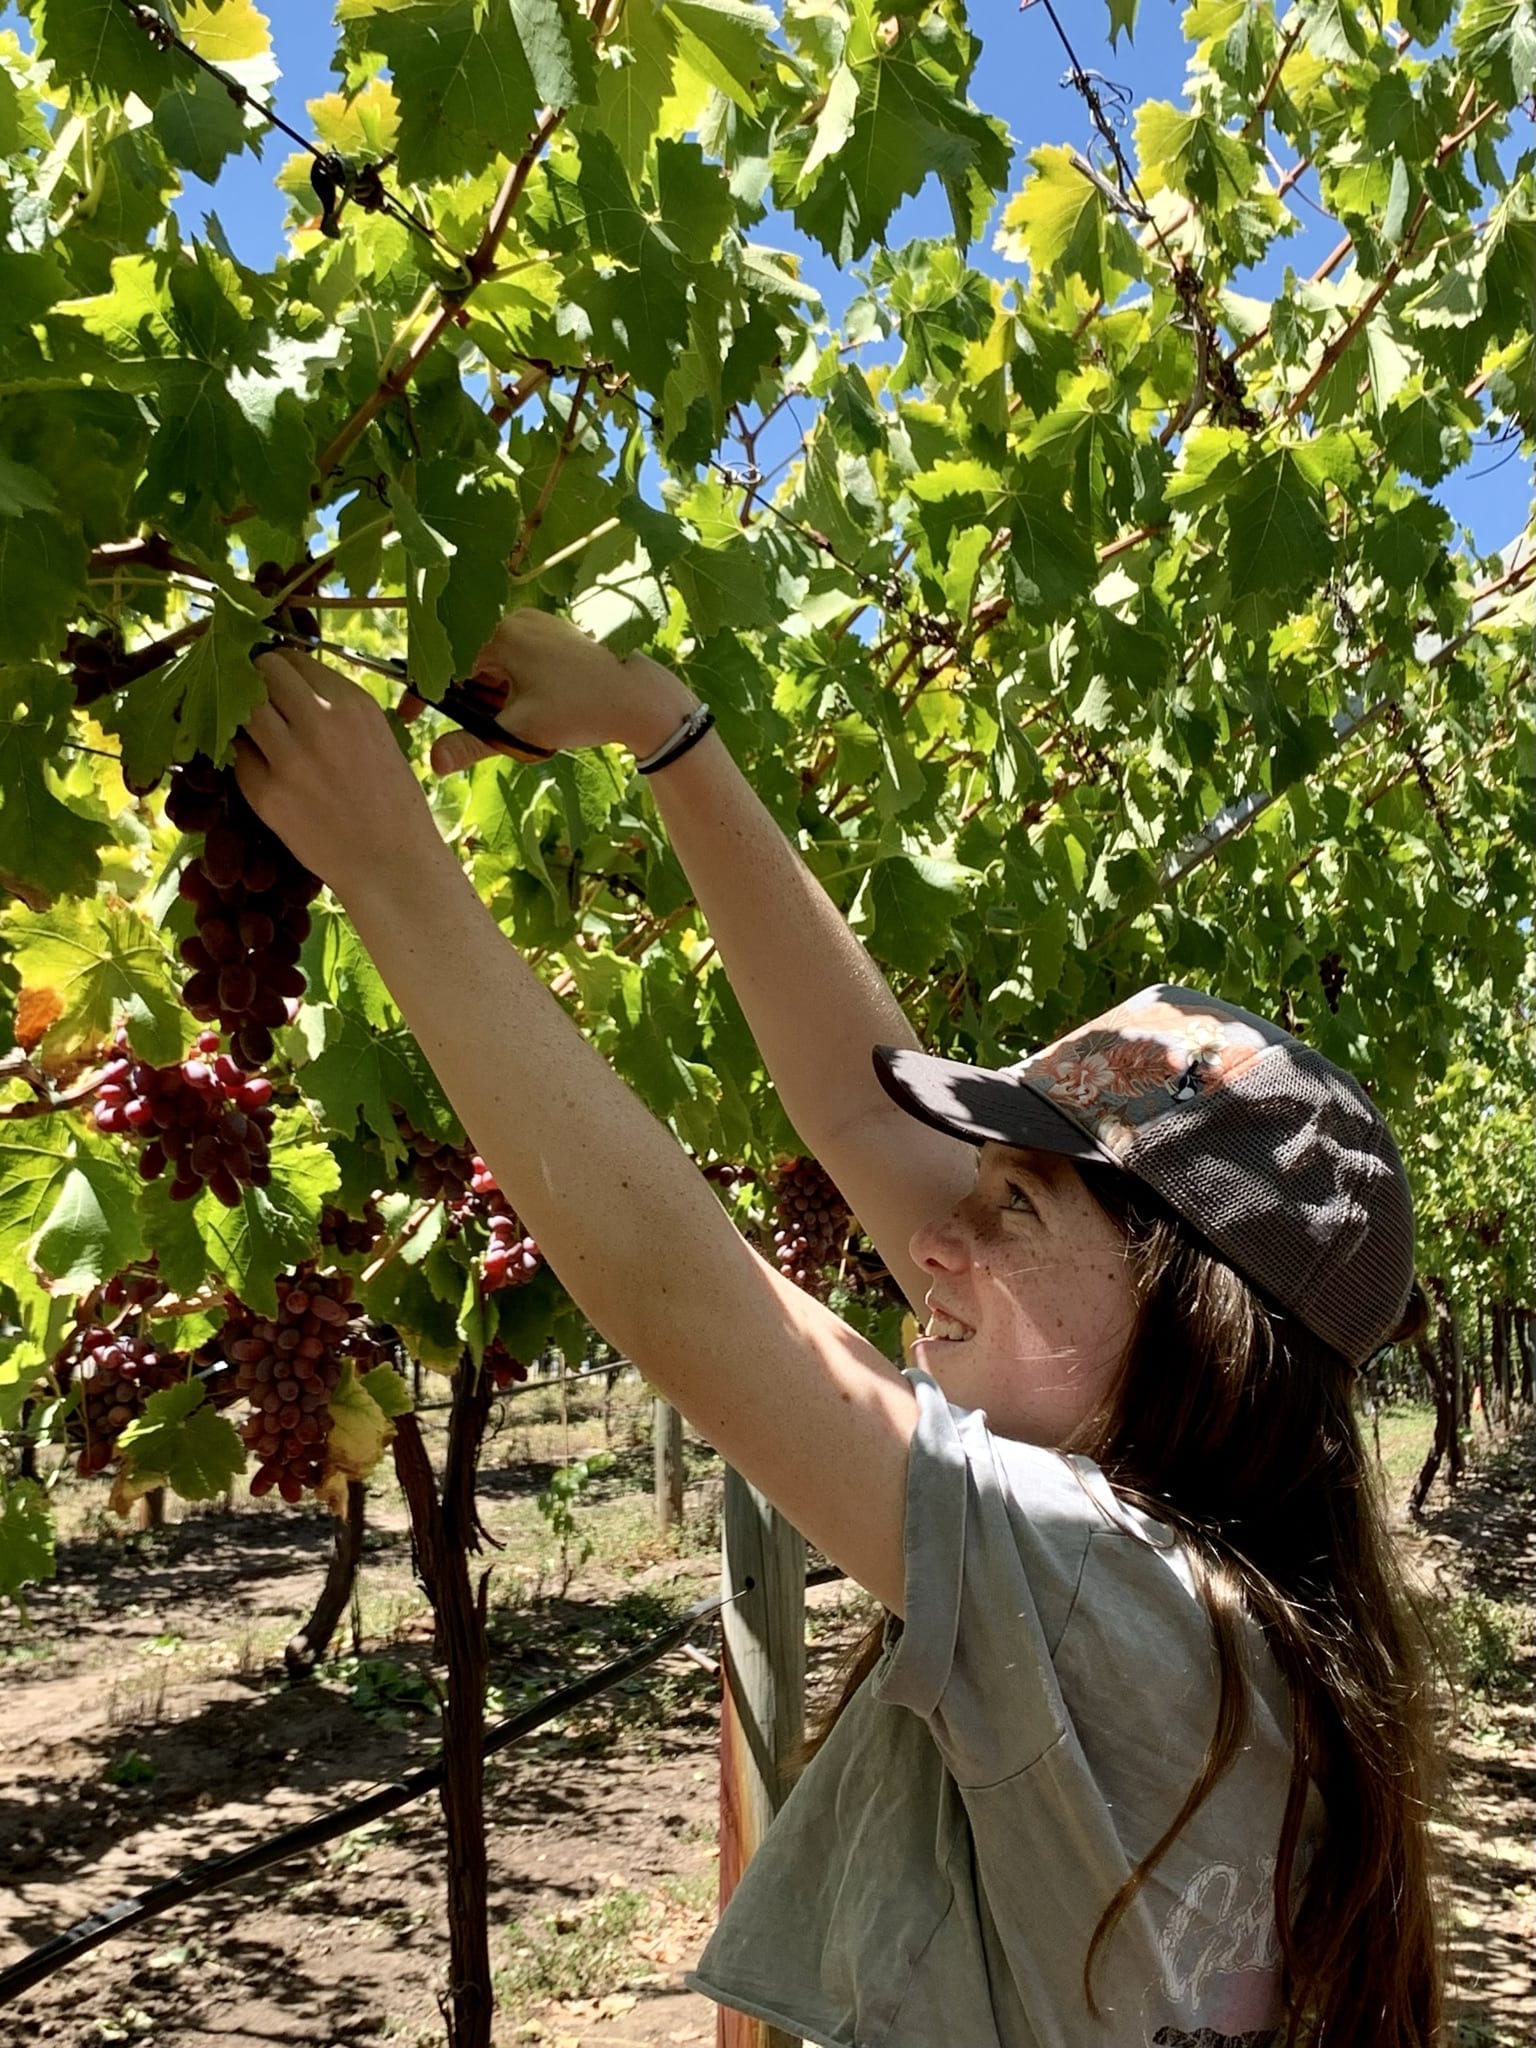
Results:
[1231, 1422]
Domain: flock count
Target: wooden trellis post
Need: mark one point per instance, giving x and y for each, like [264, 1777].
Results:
[762, 1707]
[667, 1437]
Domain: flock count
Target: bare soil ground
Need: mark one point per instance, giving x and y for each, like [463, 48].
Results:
[147, 1724]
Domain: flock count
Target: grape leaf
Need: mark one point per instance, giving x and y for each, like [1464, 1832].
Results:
[1122, 16]
[94, 1228]
[555, 42]
[274, 1227]
[200, 126]
[386, 1387]
[42, 563]
[340, 969]
[1058, 221]
[22, 1363]
[22, 489]
[428, 558]
[906, 127]
[362, 1069]
[634, 77]
[97, 44]
[1496, 41]
[1280, 536]
[26, 1536]
[725, 41]
[361, 1428]
[464, 84]
[35, 1159]
[107, 963]
[215, 686]
[179, 1442]
[403, 1296]
[478, 519]
[906, 909]
[41, 836]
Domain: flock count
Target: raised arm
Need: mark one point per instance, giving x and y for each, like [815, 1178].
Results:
[814, 1000]
[795, 1399]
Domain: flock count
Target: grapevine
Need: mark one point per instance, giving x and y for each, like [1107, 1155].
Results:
[250, 899]
[503, 1368]
[116, 1370]
[812, 1224]
[352, 1234]
[287, 1367]
[443, 1172]
[207, 1120]
[512, 1258]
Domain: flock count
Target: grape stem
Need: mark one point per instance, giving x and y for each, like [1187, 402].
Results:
[16, 1066]
[395, 1245]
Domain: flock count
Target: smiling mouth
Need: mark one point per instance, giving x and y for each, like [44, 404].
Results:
[947, 1329]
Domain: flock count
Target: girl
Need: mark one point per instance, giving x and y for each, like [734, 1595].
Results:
[1136, 1755]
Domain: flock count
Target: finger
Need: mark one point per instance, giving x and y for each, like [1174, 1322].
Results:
[252, 769]
[269, 730]
[410, 707]
[452, 751]
[287, 691]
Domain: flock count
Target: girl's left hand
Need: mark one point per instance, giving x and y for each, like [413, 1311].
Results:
[319, 764]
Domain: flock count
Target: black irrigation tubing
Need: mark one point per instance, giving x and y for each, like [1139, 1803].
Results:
[163, 35]
[214, 1872]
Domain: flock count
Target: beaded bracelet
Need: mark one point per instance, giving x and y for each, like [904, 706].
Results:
[688, 734]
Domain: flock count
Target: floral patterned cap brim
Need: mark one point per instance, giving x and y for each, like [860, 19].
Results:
[1092, 1091]
[1163, 1049]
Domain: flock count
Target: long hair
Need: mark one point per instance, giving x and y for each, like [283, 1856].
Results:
[1233, 1423]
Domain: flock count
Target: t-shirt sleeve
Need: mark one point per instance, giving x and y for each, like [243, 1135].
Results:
[996, 1534]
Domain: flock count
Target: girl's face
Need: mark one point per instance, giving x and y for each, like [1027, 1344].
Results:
[1030, 1300]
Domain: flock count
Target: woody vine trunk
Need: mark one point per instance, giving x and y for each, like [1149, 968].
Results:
[444, 1529]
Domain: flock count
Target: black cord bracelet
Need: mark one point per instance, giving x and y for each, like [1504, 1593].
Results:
[692, 730]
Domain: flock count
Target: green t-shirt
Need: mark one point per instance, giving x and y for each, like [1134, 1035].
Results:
[935, 1878]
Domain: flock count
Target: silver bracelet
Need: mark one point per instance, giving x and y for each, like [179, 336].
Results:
[688, 734]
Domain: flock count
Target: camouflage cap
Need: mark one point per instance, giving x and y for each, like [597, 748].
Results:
[1277, 1157]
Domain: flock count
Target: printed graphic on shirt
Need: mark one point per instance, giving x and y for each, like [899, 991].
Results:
[1207, 2037]
[1220, 1956]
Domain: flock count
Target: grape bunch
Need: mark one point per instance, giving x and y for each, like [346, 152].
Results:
[724, 1173]
[351, 1233]
[502, 1366]
[204, 1118]
[135, 1287]
[512, 1258]
[287, 1366]
[812, 1224]
[250, 898]
[116, 1372]
[1332, 973]
[444, 1173]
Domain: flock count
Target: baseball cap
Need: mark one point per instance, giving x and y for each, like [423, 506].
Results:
[1277, 1157]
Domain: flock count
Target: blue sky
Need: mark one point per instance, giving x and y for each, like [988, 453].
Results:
[1018, 78]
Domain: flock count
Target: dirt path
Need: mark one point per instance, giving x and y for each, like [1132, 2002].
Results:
[155, 1731]
[1480, 1548]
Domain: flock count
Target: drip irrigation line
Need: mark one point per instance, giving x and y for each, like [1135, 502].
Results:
[214, 1872]
[374, 198]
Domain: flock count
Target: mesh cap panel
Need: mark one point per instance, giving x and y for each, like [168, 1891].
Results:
[1289, 1172]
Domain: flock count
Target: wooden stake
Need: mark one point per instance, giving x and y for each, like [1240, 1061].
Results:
[762, 1704]
[668, 1459]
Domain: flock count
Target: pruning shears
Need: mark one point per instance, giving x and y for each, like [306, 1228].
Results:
[466, 703]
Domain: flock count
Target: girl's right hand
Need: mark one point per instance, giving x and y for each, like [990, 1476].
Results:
[564, 689]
